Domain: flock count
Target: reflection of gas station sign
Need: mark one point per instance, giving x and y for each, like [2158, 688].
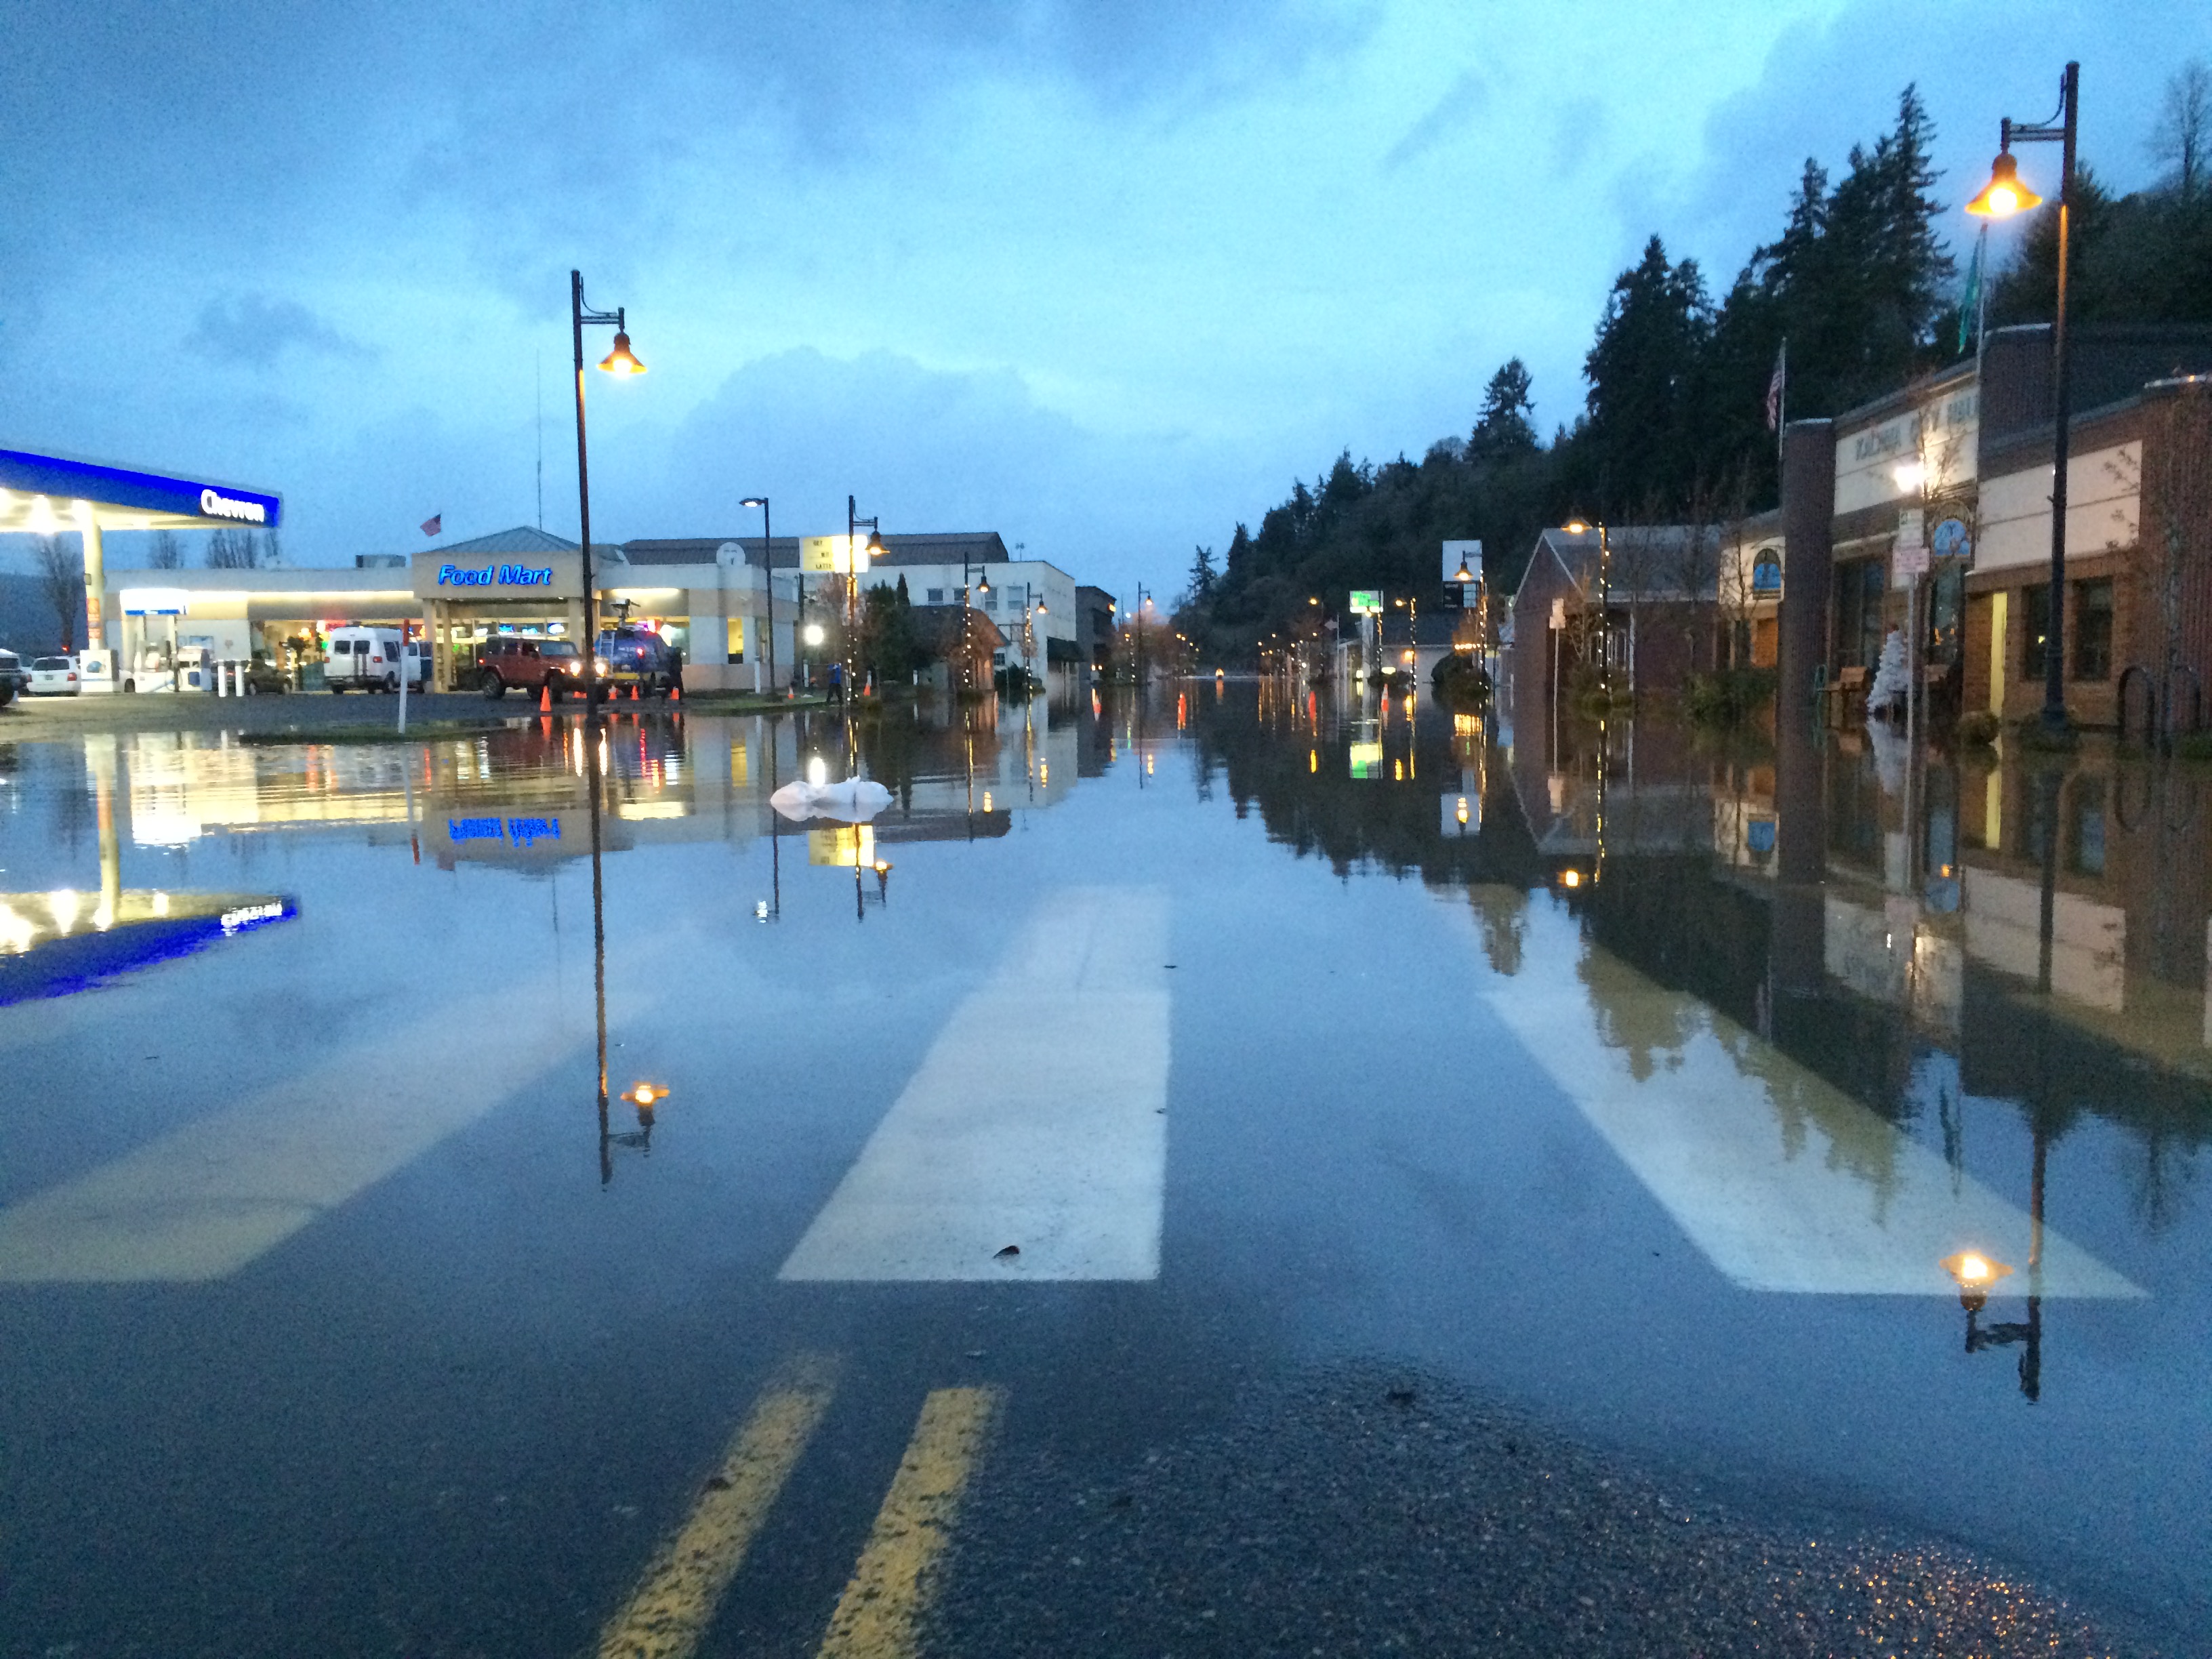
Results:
[1366, 760]
[833, 554]
[845, 849]
[1366, 602]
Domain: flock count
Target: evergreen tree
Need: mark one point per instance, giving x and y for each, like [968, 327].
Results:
[1202, 576]
[1641, 371]
[1506, 425]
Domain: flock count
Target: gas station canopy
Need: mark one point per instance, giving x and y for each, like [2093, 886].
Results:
[44, 494]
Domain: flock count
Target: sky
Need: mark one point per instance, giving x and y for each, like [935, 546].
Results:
[1103, 277]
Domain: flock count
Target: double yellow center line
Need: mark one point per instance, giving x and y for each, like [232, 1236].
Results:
[878, 1615]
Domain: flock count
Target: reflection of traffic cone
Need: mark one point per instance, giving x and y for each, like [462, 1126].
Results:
[545, 698]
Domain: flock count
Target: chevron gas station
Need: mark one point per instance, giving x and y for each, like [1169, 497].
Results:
[52, 495]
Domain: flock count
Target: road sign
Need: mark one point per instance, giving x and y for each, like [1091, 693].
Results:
[1910, 558]
[821, 553]
[1366, 602]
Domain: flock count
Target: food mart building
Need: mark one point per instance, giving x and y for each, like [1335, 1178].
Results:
[710, 599]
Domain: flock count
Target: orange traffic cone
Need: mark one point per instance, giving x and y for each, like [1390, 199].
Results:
[675, 693]
[545, 698]
[633, 693]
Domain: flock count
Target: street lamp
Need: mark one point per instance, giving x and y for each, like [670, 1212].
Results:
[2002, 197]
[852, 557]
[621, 364]
[767, 564]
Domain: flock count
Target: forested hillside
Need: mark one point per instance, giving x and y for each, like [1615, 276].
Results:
[1861, 281]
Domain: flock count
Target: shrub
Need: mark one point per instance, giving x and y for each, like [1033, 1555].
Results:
[1459, 682]
[1978, 729]
[1727, 696]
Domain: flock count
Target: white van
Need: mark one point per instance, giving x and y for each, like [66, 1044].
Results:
[373, 660]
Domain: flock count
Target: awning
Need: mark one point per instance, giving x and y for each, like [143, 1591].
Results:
[44, 494]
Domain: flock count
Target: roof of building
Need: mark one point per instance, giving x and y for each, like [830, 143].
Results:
[1648, 562]
[520, 540]
[939, 629]
[950, 547]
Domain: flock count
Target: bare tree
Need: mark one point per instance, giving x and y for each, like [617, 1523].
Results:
[61, 575]
[2184, 133]
[273, 549]
[169, 553]
[233, 549]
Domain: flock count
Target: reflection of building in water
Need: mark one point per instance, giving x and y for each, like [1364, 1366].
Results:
[51, 944]
[514, 793]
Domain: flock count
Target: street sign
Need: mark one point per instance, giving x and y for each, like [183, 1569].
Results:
[1910, 558]
[828, 553]
[1366, 602]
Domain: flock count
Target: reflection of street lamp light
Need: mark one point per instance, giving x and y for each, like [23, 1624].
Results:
[1976, 1273]
[2002, 197]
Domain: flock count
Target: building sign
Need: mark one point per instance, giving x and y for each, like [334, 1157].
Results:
[1952, 540]
[548, 579]
[1366, 602]
[496, 575]
[154, 602]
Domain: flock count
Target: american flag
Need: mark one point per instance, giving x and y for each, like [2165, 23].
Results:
[436, 524]
[1777, 384]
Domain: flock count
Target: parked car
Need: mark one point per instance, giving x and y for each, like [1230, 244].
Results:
[639, 657]
[53, 676]
[529, 665]
[369, 659]
[264, 677]
[11, 677]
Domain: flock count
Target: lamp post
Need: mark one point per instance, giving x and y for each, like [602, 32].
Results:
[852, 557]
[982, 586]
[2002, 197]
[768, 563]
[621, 363]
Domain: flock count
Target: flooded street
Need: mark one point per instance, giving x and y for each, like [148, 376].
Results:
[1152, 1187]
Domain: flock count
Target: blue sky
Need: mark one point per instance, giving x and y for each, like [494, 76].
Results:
[1103, 277]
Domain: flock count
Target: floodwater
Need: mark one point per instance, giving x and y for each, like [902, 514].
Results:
[350, 1301]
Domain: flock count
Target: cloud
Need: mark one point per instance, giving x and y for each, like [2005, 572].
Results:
[255, 330]
[1453, 114]
[926, 448]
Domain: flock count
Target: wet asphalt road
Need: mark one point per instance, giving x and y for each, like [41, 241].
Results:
[1374, 1399]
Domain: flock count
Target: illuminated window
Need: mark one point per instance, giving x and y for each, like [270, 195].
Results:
[737, 648]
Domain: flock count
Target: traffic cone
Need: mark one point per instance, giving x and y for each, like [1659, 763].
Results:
[633, 692]
[675, 693]
[545, 698]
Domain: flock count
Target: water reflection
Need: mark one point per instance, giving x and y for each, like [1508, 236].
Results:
[1793, 1049]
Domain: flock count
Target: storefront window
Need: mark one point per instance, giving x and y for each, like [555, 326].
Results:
[1946, 601]
[1859, 589]
[2093, 629]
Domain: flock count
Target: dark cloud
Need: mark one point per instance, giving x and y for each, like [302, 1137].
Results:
[255, 330]
[1455, 112]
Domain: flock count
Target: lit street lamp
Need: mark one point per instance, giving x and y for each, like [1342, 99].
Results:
[618, 363]
[2002, 197]
[853, 556]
